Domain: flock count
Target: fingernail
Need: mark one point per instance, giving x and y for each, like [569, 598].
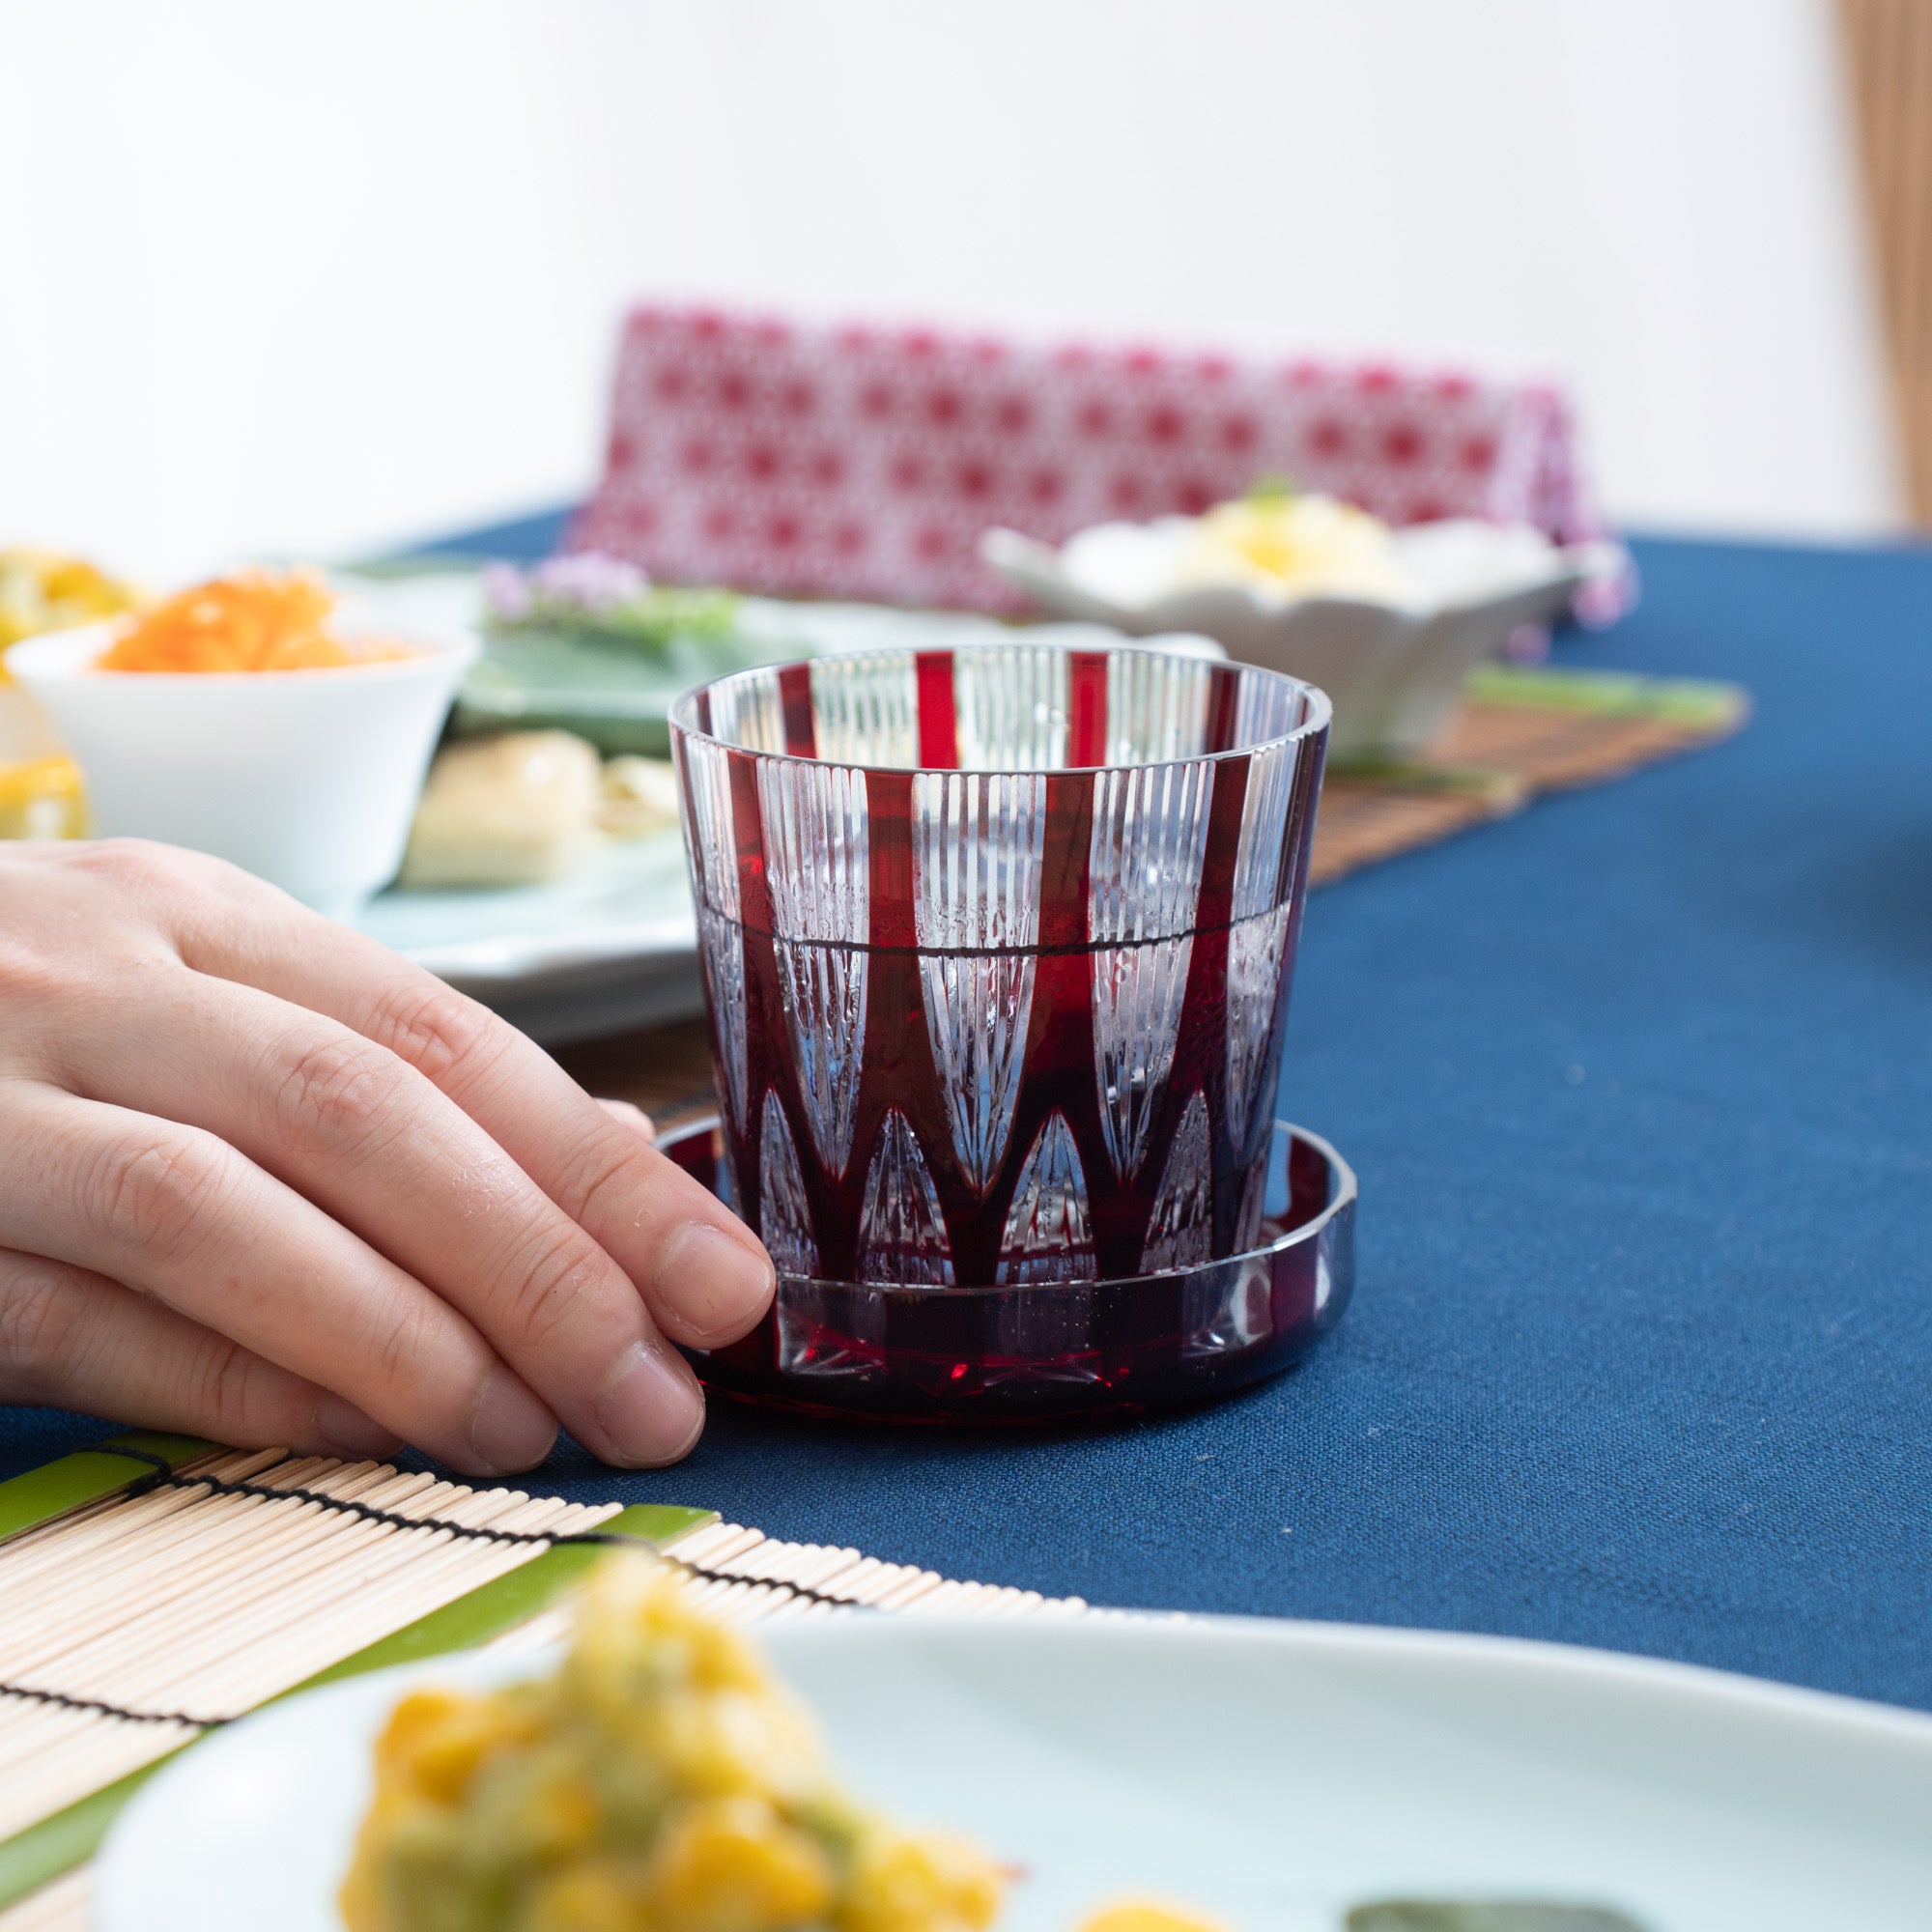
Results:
[718, 1284]
[650, 1410]
[509, 1427]
[350, 1433]
[627, 1114]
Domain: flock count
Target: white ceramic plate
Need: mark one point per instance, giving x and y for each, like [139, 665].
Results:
[1272, 1774]
[613, 945]
[1391, 666]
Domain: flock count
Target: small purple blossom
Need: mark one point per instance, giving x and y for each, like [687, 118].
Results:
[506, 593]
[590, 580]
[587, 583]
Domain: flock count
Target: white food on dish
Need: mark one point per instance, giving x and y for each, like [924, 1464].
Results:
[508, 810]
[1336, 552]
[640, 797]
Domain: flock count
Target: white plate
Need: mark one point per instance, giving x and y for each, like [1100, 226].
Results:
[613, 945]
[1392, 666]
[1269, 1773]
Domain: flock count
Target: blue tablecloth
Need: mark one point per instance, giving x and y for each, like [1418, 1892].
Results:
[1639, 1087]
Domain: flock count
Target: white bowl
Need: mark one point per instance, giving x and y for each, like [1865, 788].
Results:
[1392, 666]
[309, 779]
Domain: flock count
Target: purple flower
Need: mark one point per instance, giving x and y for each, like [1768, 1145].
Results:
[506, 593]
[590, 580]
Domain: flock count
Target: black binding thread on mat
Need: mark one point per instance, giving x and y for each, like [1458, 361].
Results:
[161, 1475]
[95, 1707]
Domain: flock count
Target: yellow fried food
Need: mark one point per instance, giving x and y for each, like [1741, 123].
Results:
[42, 590]
[251, 620]
[41, 798]
[661, 1782]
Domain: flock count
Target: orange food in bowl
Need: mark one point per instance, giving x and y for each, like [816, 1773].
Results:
[252, 620]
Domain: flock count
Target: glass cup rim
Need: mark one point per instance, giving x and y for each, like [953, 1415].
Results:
[682, 720]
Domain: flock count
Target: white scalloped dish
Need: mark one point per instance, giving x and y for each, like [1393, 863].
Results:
[1391, 657]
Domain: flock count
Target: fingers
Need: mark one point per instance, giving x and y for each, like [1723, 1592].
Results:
[71, 1340]
[362, 1135]
[174, 1211]
[631, 1117]
[702, 1273]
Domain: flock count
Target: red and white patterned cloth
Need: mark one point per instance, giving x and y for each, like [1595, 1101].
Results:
[854, 461]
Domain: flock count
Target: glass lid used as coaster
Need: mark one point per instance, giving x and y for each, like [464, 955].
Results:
[1032, 1352]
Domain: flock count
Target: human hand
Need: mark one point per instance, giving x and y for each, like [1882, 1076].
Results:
[261, 1180]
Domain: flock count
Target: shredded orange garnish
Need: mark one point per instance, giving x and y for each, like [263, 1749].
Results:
[253, 620]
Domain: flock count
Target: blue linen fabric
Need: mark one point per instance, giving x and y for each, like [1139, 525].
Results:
[1639, 1087]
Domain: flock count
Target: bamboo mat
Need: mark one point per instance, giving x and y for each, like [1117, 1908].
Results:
[197, 1584]
[1520, 733]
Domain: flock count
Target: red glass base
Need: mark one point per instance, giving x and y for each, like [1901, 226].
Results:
[1005, 1355]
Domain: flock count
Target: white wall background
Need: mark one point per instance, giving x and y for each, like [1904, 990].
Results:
[315, 277]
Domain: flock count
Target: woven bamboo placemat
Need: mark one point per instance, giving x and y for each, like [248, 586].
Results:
[1520, 733]
[157, 1588]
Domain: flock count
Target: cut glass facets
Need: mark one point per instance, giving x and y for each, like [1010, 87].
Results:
[1049, 1231]
[1157, 707]
[1254, 977]
[817, 867]
[784, 1217]
[822, 990]
[1138, 991]
[1011, 707]
[901, 1235]
[721, 956]
[975, 885]
[829, 1333]
[1180, 1230]
[1260, 858]
[866, 710]
[1144, 882]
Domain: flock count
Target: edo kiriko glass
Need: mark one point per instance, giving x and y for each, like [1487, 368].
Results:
[909, 1353]
[996, 947]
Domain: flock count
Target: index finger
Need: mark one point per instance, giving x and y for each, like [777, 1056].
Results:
[704, 1276]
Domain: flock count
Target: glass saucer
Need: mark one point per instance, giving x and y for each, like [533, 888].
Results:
[1030, 1354]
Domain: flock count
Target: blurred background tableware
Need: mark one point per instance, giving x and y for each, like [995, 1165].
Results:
[1391, 648]
[307, 778]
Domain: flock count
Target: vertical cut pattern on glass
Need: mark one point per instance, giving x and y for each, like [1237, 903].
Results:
[1049, 1234]
[1143, 878]
[816, 863]
[866, 712]
[1255, 950]
[1180, 1230]
[721, 958]
[711, 843]
[999, 855]
[1011, 707]
[784, 1217]
[1157, 707]
[976, 894]
[748, 711]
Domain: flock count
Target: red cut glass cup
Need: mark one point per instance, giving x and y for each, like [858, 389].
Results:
[996, 947]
